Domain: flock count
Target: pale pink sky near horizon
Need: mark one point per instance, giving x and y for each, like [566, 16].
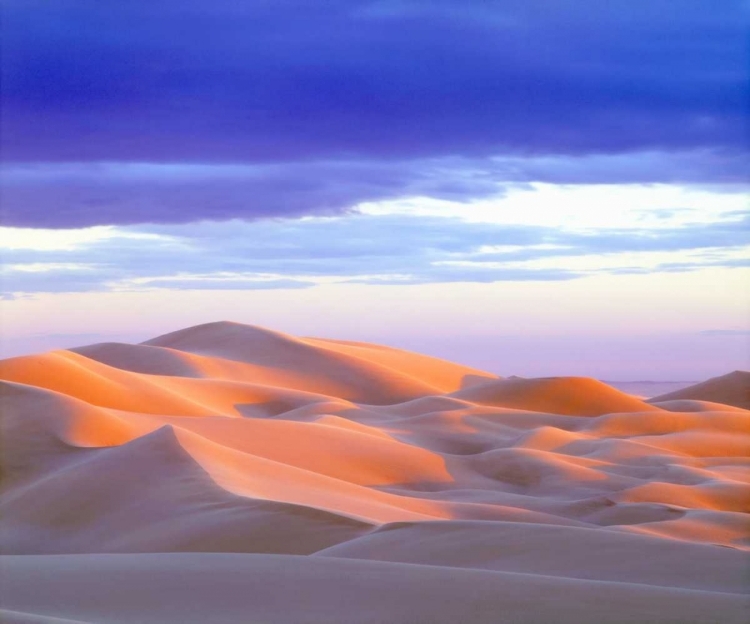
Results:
[618, 282]
[661, 327]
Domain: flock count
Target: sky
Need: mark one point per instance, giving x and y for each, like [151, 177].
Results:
[526, 186]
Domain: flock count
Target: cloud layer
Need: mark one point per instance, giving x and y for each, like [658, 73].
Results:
[385, 249]
[261, 81]
[290, 107]
[76, 195]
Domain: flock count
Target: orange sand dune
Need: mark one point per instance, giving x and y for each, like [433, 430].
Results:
[574, 396]
[228, 473]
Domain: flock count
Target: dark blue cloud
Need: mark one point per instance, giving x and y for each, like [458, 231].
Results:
[70, 195]
[189, 80]
[362, 82]
[84, 194]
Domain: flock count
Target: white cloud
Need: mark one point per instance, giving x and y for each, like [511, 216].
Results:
[580, 207]
[42, 267]
[536, 233]
[66, 240]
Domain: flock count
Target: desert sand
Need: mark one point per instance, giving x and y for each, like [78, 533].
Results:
[228, 473]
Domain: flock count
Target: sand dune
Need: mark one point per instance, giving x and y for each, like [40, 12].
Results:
[230, 588]
[732, 389]
[229, 473]
[573, 396]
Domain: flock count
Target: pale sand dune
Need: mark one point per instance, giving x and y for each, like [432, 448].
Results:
[232, 588]
[558, 551]
[227, 473]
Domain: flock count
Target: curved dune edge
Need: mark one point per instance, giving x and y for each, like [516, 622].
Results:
[731, 389]
[227, 588]
[322, 459]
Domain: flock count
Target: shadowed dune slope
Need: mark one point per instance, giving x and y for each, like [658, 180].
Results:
[211, 473]
[154, 360]
[151, 495]
[558, 551]
[359, 372]
[230, 588]
[732, 389]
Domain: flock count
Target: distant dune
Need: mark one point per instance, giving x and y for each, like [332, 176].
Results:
[228, 473]
[731, 389]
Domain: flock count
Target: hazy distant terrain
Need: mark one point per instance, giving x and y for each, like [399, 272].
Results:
[650, 389]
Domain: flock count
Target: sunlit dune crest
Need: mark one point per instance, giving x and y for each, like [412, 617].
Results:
[374, 484]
